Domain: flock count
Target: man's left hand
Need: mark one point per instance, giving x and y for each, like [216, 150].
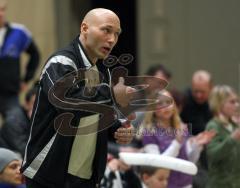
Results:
[124, 135]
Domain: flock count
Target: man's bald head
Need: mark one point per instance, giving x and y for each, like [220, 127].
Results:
[99, 33]
[96, 13]
[201, 76]
[201, 86]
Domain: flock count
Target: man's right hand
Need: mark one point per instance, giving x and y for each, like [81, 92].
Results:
[123, 93]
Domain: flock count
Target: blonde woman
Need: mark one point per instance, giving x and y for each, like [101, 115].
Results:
[224, 150]
[163, 132]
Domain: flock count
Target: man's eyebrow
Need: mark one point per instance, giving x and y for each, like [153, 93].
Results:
[119, 30]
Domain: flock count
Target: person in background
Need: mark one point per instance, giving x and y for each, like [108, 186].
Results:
[161, 72]
[16, 128]
[153, 177]
[15, 39]
[223, 151]
[10, 176]
[119, 175]
[164, 133]
[196, 113]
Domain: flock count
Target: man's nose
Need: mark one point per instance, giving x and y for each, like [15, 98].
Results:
[112, 39]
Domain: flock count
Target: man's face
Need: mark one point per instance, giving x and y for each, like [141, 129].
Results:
[101, 36]
[2, 14]
[201, 91]
[11, 173]
[159, 179]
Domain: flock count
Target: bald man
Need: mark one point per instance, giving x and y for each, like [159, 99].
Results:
[201, 86]
[196, 113]
[56, 154]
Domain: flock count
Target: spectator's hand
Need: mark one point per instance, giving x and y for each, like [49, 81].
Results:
[123, 93]
[181, 133]
[204, 137]
[236, 134]
[116, 164]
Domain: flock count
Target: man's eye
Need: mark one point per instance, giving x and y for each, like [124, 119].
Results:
[106, 30]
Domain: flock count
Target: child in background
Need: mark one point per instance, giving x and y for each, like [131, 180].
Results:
[223, 151]
[153, 177]
[163, 132]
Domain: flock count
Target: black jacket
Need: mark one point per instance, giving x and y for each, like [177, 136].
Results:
[15, 131]
[195, 115]
[50, 168]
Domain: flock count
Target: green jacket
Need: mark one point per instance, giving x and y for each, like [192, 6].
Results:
[223, 158]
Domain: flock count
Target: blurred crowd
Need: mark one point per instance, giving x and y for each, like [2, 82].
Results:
[200, 124]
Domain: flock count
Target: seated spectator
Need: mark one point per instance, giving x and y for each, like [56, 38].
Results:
[195, 111]
[153, 177]
[223, 151]
[15, 40]
[10, 176]
[158, 71]
[161, 72]
[164, 133]
[16, 128]
[119, 175]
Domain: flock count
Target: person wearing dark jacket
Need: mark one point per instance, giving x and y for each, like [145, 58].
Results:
[196, 113]
[14, 40]
[16, 128]
[67, 146]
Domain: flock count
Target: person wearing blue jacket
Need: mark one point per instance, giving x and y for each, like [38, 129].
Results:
[15, 39]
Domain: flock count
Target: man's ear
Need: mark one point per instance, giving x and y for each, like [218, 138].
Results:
[84, 28]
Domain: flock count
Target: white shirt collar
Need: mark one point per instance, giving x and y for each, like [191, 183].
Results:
[84, 57]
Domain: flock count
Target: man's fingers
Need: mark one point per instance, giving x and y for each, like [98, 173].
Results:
[130, 90]
[121, 80]
[124, 135]
[125, 130]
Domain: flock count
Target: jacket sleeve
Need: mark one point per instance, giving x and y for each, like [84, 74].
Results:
[33, 61]
[117, 124]
[55, 69]
[221, 146]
